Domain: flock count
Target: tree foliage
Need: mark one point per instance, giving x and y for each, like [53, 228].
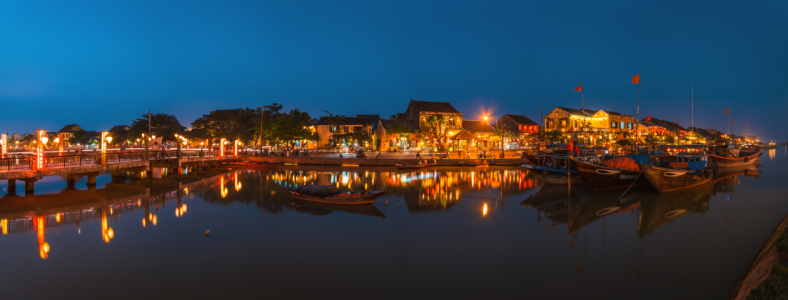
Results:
[436, 126]
[161, 125]
[79, 137]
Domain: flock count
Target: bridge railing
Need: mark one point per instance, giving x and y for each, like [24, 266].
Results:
[17, 163]
[63, 161]
[115, 158]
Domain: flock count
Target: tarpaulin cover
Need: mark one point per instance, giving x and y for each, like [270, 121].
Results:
[318, 190]
[623, 163]
[679, 165]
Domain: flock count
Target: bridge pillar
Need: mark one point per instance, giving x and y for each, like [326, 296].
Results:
[115, 176]
[11, 187]
[138, 174]
[70, 180]
[91, 182]
[30, 185]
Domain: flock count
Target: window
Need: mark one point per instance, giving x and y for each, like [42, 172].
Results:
[622, 125]
[563, 124]
[357, 129]
[550, 124]
[614, 125]
[333, 129]
[629, 126]
[345, 129]
[452, 122]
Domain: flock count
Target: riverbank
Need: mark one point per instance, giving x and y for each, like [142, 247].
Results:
[383, 161]
[767, 277]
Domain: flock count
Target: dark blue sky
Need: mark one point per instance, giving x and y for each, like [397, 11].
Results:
[102, 63]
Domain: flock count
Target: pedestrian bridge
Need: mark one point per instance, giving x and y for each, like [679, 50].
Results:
[23, 166]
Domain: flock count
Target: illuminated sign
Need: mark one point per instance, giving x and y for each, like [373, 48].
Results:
[104, 147]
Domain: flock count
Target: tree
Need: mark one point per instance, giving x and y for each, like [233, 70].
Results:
[161, 125]
[399, 130]
[294, 126]
[80, 137]
[436, 129]
[119, 135]
[551, 136]
[335, 121]
[502, 131]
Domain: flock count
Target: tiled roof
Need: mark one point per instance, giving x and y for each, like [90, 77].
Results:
[670, 126]
[372, 118]
[477, 126]
[69, 128]
[578, 112]
[411, 125]
[430, 106]
[350, 121]
[464, 136]
[519, 119]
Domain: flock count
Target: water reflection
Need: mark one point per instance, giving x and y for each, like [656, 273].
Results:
[429, 190]
[578, 207]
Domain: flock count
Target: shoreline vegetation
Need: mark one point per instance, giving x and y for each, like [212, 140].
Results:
[767, 276]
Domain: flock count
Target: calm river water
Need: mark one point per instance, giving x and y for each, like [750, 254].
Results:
[438, 233]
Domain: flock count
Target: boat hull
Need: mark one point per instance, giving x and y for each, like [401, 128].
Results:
[549, 176]
[601, 178]
[669, 180]
[365, 199]
[729, 162]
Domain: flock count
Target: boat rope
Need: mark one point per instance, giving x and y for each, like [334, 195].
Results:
[633, 183]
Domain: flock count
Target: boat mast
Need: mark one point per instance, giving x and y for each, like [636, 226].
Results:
[693, 107]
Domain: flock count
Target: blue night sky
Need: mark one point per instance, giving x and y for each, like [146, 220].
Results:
[103, 63]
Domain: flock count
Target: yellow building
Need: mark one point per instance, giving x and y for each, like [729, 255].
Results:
[330, 135]
[589, 123]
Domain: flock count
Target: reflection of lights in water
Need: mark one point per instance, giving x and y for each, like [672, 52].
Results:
[222, 189]
[43, 246]
[186, 191]
[144, 222]
[155, 219]
[106, 232]
[484, 210]
[57, 217]
[772, 152]
[4, 225]
[237, 183]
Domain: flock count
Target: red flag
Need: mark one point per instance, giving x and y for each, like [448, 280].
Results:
[573, 129]
[647, 119]
[579, 88]
[726, 111]
[636, 78]
[731, 120]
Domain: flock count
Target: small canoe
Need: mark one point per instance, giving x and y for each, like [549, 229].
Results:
[728, 162]
[344, 198]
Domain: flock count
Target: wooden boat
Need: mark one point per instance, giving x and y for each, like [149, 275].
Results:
[551, 176]
[602, 177]
[318, 208]
[668, 180]
[727, 162]
[659, 209]
[344, 198]
[408, 167]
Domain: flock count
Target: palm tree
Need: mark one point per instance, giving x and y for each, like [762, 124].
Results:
[436, 126]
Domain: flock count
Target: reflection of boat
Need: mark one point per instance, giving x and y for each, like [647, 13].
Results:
[602, 177]
[727, 162]
[600, 204]
[667, 179]
[660, 209]
[751, 170]
[547, 195]
[362, 197]
[317, 208]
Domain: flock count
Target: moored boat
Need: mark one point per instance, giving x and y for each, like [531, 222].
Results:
[552, 176]
[668, 179]
[330, 195]
[727, 162]
[619, 172]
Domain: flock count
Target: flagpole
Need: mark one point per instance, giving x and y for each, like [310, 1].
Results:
[693, 107]
[637, 116]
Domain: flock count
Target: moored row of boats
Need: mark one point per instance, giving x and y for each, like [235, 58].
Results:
[690, 166]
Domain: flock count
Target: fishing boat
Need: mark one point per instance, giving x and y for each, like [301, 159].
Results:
[669, 179]
[735, 161]
[330, 194]
[613, 173]
[555, 171]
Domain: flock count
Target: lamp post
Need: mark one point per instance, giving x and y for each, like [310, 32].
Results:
[105, 138]
[41, 136]
[3, 143]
